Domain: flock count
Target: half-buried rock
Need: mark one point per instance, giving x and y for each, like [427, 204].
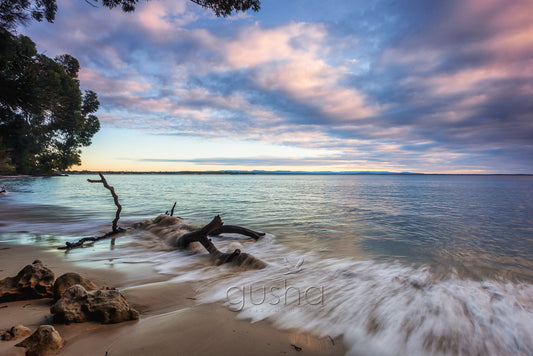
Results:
[77, 305]
[32, 282]
[14, 333]
[44, 341]
[69, 279]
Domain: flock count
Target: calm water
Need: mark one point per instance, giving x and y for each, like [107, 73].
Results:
[429, 264]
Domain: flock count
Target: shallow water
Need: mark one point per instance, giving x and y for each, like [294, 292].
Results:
[396, 264]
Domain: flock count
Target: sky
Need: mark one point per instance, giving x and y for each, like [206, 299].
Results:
[305, 85]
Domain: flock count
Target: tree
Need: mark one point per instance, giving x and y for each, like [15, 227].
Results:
[13, 12]
[5, 161]
[44, 117]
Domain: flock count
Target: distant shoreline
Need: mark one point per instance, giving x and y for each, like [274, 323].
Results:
[66, 173]
[295, 173]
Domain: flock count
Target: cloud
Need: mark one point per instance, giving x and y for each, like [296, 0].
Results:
[413, 86]
[461, 83]
[290, 59]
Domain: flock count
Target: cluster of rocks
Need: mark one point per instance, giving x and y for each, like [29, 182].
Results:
[44, 341]
[77, 299]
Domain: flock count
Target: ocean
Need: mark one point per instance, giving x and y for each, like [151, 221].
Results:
[397, 264]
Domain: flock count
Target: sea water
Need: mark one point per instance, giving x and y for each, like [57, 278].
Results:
[397, 264]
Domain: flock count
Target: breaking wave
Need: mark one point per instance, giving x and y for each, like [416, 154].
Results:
[379, 308]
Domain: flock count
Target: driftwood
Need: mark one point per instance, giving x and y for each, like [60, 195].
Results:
[81, 242]
[115, 198]
[233, 229]
[216, 226]
[115, 229]
[171, 210]
[200, 236]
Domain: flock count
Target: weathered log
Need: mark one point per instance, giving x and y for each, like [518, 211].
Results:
[219, 257]
[200, 236]
[233, 229]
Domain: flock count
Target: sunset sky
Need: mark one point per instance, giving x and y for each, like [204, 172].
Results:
[419, 86]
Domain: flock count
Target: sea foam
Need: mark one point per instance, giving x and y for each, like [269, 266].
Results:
[385, 308]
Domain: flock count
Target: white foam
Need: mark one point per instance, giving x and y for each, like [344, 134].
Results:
[379, 308]
[387, 309]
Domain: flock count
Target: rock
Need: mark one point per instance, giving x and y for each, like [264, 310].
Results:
[15, 332]
[44, 341]
[32, 282]
[78, 305]
[67, 280]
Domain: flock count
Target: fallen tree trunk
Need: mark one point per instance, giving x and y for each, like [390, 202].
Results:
[201, 235]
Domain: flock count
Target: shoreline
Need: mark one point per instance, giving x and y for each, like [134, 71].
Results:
[171, 321]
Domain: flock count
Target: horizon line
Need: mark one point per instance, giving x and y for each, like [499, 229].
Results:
[284, 172]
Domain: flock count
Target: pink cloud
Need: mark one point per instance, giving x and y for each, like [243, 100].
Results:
[291, 59]
[107, 86]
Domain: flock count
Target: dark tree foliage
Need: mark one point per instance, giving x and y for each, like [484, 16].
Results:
[13, 12]
[227, 7]
[44, 117]
[219, 7]
[6, 167]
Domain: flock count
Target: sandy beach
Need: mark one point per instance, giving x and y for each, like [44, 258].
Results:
[171, 321]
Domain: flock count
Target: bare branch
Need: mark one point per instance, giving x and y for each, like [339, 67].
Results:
[90, 3]
[172, 210]
[115, 198]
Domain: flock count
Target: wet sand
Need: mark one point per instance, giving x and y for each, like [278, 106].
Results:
[171, 321]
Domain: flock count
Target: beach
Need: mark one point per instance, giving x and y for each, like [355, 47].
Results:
[171, 321]
[357, 265]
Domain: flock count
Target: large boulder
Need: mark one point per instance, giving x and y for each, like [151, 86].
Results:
[14, 333]
[44, 341]
[32, 282]
[69, 279]
[106, 306]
